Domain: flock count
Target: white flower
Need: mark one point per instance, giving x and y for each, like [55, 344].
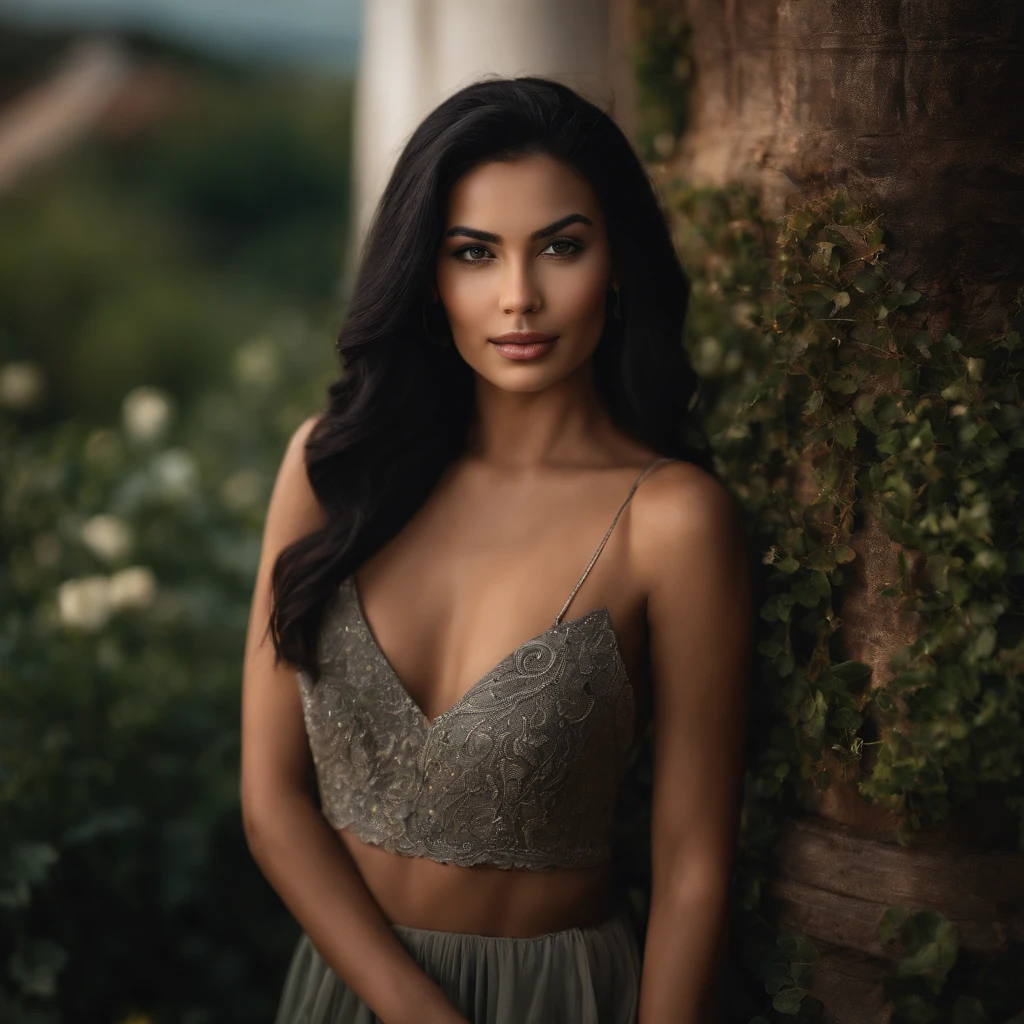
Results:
[146, 412]
[109, 537]
[242, 490]
[84, 603]
[21, 385]
[175, 473]
[256, 362]
[132, 587]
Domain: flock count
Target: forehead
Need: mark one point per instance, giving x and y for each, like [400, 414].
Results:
[521, 194]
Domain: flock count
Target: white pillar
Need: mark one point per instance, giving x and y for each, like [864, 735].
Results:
[417, 52]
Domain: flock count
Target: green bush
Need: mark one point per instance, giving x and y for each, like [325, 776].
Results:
[125, 881]
[161, 296]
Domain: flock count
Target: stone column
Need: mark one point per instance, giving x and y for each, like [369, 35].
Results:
[417, 52]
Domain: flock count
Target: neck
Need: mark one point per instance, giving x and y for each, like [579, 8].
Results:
[527, 429]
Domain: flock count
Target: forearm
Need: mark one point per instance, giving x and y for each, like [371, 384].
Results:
[308, 866]
[683, 951]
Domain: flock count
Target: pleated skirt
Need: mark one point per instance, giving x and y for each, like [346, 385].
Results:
[587, 975]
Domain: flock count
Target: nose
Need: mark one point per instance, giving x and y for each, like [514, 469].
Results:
[520, 291]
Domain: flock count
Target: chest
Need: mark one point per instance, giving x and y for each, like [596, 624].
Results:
[522, 769]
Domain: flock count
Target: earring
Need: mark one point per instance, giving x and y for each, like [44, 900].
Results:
[616, 306]
[441, 342]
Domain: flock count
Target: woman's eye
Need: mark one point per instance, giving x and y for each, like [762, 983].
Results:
[478, 254]
[573, 246]
[471, 248]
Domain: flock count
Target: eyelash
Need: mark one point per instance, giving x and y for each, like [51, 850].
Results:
[577, 248]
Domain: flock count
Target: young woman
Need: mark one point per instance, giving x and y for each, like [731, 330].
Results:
[468, 608]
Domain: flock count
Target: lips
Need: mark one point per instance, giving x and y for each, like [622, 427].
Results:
[523, 338]
[524, 345]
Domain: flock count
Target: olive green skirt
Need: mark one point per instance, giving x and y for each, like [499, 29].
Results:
[576, 976]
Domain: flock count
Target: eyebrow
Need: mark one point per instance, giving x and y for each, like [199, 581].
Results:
[489, 236]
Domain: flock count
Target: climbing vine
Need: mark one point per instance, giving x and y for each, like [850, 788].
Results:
[834, 390]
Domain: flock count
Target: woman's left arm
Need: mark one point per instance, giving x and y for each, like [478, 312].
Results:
[701, 625]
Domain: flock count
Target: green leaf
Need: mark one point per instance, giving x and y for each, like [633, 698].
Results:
[798, 947]
[812, 713]
[864, 410]
[788, 1000]
[890, 442]
[846, 432]
[867, 283]
[890, 925]
[820, 584]
[813, 404]
[851, 671]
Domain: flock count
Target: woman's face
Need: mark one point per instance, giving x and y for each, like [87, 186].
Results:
[524, 249]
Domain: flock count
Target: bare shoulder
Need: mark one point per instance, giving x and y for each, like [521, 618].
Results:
[679, 510]
[294, 509]
[297, 442]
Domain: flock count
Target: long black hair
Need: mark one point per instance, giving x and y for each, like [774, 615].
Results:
[400, 411]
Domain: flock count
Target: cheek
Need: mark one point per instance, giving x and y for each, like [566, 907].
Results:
[466, 296]
[581, 296]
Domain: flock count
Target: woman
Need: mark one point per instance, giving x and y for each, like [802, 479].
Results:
[513, 371]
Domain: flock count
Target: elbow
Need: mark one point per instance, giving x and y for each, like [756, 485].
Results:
[253, 827]
[262, 815]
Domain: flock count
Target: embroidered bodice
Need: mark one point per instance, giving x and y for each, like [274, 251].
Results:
[522, 772]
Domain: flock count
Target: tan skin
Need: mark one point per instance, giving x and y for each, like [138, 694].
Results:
[494, 552]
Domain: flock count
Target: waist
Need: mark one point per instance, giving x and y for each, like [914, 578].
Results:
[415, 892]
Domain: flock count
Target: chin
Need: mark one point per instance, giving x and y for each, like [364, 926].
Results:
[524, 376]
[537, 382]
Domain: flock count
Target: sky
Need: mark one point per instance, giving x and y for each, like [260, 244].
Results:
[314, 33]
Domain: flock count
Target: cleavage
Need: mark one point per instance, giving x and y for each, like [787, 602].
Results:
[427, 695]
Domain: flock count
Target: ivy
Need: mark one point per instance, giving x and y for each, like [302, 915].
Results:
[831, 390]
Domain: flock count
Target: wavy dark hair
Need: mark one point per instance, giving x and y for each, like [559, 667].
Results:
[401, 410]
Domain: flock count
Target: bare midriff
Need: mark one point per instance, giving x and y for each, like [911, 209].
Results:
[420, 893]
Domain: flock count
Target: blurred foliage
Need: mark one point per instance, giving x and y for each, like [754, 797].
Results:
[126, 881]
[663, 71]
[167, 301]
[148, 252]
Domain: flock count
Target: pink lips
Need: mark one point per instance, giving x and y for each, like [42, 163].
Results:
[519, 345]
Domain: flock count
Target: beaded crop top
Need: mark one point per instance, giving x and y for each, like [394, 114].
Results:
[522, 772]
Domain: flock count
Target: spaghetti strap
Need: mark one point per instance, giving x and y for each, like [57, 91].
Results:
[608, 533]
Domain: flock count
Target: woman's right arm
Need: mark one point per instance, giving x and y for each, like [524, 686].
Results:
[296, 849]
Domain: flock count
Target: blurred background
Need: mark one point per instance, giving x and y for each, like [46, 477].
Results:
[174, 205]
